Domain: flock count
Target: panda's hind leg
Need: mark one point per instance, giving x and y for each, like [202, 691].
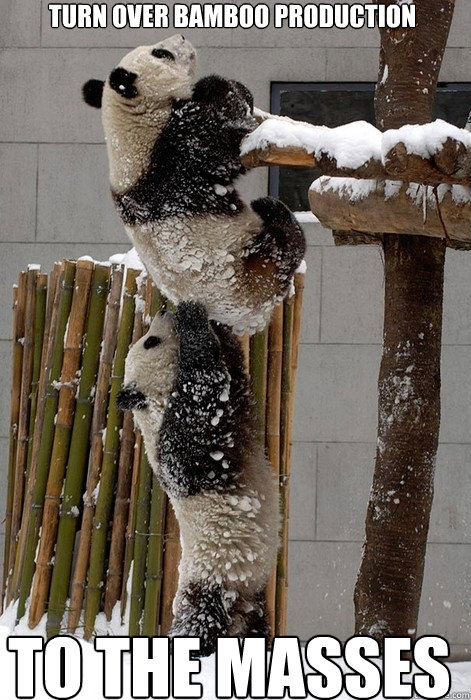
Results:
[204, 611]
[257, 623]
[280, 243]
[250, 617]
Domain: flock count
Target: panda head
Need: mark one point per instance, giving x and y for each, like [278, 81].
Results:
[146, 79]
[150, 370]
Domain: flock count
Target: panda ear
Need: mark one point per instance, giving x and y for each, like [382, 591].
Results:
[92, 92]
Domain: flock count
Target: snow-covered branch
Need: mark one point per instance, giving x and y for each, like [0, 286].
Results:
[430, 153]
[371, 207]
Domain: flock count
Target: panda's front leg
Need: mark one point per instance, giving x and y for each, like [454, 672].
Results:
[202, 610]
[196, 444]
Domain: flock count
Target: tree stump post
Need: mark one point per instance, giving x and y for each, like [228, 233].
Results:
[388, 590]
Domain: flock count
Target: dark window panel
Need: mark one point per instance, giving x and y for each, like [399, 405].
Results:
[333, 104]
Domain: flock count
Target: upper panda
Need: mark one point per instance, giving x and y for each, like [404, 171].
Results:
[173, 150]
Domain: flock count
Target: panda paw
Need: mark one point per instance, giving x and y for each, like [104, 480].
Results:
[200, 611]
[272, 211]
[192, 325]
[213, 89]
[131, 399]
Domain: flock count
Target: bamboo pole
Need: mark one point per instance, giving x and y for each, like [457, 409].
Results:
[244, 341]
[60, 449]
[155, 552]
[273, 412]
[23, 417]
[19, 297]
[120, 516]
[141, 537]
[286, 392]
[124, 502]
[172, 553]
[299, 280]
[44, 424]
[131, 524]
[110, 459]
[78, 452]
[130, 530]
[39, 327]
[96, 448]
[258, 379]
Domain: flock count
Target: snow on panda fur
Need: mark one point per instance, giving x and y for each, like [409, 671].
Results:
[174, 152]
[186, 385]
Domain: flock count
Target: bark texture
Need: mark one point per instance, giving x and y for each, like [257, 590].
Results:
[451, 164]
[411, 209]
[389, 585]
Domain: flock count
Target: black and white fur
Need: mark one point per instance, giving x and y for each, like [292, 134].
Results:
[174, 151]
[186, 385]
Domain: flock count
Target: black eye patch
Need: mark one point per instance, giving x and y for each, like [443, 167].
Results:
[121, 81]
[163, 53]
[151, 342]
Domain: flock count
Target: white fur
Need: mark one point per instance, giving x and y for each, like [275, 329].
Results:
[231, 539]
[200, 258]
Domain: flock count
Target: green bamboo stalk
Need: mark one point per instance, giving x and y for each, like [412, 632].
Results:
[139, 329]
[78, 454]
[44, 428]
[141, 537]
[108, 346]
[23, 422]
[286, 388]
[172, 554]
[140, 546]
[155, 557]
[258, 379]
[62, 435]
[121, 546]
[19, 298]
[131, 526]
[273, 409]
[110, 460]
[39, 325]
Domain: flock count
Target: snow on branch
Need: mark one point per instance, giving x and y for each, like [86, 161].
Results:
[430, 153]
[391, 206]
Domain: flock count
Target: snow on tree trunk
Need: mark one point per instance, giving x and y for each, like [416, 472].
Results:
[388, 590]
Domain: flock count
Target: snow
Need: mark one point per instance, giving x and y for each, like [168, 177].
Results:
[305, 217]
[424, 139]
[130, 260]
[385, 74]
[422, 195]
[93, 669]
[351, 145]
[346, 187]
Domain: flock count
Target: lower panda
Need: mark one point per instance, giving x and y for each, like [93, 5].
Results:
[186, 385]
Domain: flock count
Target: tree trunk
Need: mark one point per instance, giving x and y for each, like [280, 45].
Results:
[388, 590]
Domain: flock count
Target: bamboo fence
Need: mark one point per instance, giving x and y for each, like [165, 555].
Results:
[91, 542]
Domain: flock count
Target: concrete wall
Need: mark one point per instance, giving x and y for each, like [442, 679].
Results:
[54, 202]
